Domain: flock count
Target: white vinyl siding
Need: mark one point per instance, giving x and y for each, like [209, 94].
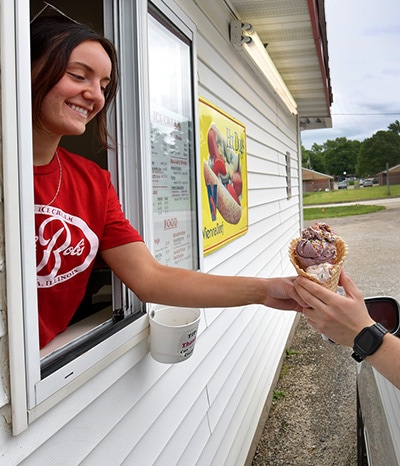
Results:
[202, 409]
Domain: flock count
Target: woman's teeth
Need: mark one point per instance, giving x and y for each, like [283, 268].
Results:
[80, 110]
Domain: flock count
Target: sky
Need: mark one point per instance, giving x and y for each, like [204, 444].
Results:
[364, 63]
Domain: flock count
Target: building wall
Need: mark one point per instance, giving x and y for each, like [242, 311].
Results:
[310, 186]
[394, 178]
[204, 411]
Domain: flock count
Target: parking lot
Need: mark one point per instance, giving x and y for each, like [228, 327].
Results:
[374, 248]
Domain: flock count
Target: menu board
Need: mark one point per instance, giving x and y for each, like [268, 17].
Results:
[174, 214]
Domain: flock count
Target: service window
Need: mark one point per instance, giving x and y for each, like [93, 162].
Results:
[155, 118]
[106, 306]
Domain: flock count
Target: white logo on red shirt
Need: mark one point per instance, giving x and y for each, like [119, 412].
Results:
[65, 245]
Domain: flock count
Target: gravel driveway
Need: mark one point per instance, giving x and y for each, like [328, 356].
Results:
[312, 421]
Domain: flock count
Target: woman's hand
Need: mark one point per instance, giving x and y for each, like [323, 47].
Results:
[338, 317]
[281, 293]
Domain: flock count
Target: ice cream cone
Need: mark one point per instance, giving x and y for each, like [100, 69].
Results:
[332, 282]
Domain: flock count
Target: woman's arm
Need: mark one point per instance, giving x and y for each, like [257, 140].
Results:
[341, 318]
[156, 283]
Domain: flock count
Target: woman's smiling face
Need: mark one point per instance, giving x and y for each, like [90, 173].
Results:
[79, 95]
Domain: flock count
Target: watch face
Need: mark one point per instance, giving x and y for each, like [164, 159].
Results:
[369, 340]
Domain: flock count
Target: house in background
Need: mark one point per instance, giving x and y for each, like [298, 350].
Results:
[315, 181]
[95, 395]
[390, 176]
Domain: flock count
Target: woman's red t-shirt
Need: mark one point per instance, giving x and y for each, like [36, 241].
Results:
[84, 218]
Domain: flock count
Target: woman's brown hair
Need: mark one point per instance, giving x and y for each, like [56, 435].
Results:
[53, 38]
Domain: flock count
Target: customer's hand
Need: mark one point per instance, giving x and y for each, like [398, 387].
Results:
[338, 317]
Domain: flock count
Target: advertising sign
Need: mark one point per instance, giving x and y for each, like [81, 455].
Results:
[223, 167]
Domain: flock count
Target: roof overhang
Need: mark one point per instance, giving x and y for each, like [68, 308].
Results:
[394, 169]
[294, 36]
[308, 174]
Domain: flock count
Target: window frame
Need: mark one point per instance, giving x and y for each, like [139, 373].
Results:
[32, 396]
[156, 16]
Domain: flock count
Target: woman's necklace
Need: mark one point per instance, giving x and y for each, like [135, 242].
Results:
[59, 179]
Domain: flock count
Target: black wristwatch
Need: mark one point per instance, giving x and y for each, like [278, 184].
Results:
[368, 341]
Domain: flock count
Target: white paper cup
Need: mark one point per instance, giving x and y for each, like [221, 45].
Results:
[173, 332]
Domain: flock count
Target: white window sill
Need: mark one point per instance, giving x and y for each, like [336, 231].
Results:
[77, 330]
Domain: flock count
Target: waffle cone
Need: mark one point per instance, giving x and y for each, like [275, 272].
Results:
[332, 283]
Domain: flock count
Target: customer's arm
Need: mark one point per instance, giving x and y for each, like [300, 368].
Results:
[387, 359]
[341, 318]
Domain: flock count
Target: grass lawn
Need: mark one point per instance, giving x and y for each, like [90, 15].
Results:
[351, 195]
[316, 213]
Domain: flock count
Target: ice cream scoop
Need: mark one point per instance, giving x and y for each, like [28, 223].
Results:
[316, 246]
[319, 231]
[322, 272]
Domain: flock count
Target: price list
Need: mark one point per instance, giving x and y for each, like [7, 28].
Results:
[172, 180]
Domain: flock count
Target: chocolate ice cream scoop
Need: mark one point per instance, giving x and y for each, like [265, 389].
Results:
[319, 231]
[314, 252]
[316, 246]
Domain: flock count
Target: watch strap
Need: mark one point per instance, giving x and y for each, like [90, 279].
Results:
[368, 341]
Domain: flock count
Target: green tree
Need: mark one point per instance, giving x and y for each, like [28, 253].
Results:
[341, 156]
[382, 148]
[395, 127]
[313, 158]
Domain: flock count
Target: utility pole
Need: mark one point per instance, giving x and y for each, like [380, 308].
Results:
[387, 179]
